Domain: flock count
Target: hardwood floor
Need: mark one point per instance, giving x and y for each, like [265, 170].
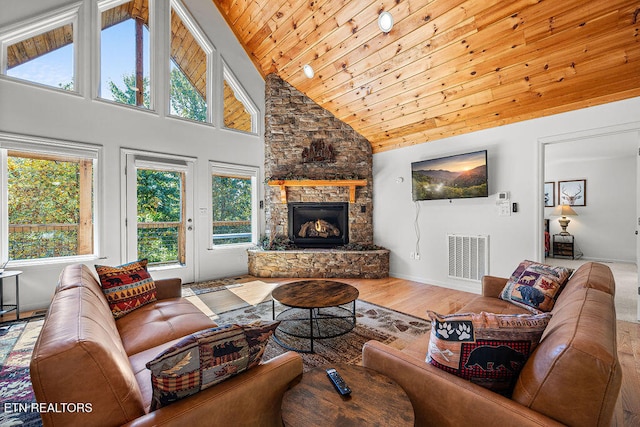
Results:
[416, 298]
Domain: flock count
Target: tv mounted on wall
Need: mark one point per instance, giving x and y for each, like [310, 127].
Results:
[452, 177]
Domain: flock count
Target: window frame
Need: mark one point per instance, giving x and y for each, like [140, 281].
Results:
[253, 172]
[38, 145]
[101, 6]
[209, 50]
[242, 96]
[41, 24]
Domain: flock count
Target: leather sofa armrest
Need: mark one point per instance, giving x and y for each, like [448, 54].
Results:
[492, 286]
[443, 399]
[251, 398]
[168, 288]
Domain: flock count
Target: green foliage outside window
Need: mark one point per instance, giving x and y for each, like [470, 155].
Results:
[231, 204]
[159, 195]
[43, 192]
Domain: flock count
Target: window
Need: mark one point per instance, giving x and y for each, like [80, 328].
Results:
[234, 204]
[50, 196]
[240, 112]
[125, 52]
[43, 50]
[190, 68]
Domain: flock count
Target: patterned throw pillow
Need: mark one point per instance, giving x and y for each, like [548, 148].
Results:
[536, 287]
[127, 286]
[206, 358]
[484, 348]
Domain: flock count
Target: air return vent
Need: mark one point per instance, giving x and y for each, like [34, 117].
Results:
[468, 256]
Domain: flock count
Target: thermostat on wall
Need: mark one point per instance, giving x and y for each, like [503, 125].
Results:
[503, 196]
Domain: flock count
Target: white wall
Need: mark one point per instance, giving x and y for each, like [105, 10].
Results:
[605, 228]
[514, 165]
[30, 110]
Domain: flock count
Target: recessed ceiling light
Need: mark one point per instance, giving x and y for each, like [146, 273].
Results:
[308, 71]
[385, 22]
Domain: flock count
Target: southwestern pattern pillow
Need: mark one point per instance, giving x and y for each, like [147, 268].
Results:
[127, 286]
[537, 287]
[206, 358]
[484, 348]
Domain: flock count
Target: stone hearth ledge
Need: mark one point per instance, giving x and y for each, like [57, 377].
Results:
[319, 263]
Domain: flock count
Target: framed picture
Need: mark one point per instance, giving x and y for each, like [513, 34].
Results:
[573, 193]
[549, 194]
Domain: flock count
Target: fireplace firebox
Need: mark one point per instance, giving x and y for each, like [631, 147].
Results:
[318, 225]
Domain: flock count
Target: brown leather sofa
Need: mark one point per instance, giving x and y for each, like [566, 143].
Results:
[84, 356]
[572, 378]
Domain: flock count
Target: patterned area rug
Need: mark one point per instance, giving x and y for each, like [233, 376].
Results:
[372, 323]
[16, 344]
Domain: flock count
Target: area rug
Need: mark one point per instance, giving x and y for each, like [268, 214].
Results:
[215, 285]
[372, 323]
[16, 345]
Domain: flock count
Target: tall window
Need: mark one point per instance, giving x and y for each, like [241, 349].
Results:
[240, 113]
[190, 54]
[125, 52]
[43, 50]
[234, 200]
[50, 203]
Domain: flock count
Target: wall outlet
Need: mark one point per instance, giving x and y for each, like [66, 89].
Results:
[414, 255]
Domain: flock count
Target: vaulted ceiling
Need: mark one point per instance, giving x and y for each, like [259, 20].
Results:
[448, 66]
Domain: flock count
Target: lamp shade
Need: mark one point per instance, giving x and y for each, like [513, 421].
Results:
[564, 210]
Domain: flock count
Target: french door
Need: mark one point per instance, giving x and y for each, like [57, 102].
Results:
[159, 214]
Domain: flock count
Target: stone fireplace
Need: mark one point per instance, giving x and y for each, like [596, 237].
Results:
[315, 161]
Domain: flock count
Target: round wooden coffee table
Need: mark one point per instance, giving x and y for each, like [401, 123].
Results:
[375, 400]
[314, 310]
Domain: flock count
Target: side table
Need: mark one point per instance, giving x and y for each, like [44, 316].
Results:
[375, 400]
[6, 308]
[564, 246]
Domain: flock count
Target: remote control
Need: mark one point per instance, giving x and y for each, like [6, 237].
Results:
[338, 382]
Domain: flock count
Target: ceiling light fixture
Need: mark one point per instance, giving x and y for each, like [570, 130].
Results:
[385, 21]
[308, 71]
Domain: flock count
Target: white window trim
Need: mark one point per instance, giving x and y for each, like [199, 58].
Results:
[38, 25]
[209, 50]
[219, 168]
[242, 96]
[97, 52]
[25, 143]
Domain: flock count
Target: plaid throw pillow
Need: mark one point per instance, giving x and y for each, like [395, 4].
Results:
[484, 348]
[127, 287]
[206, 358]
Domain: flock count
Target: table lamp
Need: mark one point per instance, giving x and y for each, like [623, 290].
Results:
[564, 211]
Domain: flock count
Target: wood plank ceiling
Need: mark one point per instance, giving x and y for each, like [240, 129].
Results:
[447, 67]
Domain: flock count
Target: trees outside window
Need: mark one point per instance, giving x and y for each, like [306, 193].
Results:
[125, 52]
[50, 205]
[233, 195]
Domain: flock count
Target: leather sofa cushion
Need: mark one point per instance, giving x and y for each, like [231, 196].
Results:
[492, 305]
[590, 275]
[576, 361]
[159, 322]
[79, 358]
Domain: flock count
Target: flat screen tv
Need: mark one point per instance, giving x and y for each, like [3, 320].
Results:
[452, 177]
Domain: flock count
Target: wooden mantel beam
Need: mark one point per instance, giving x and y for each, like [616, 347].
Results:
[351, 183]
